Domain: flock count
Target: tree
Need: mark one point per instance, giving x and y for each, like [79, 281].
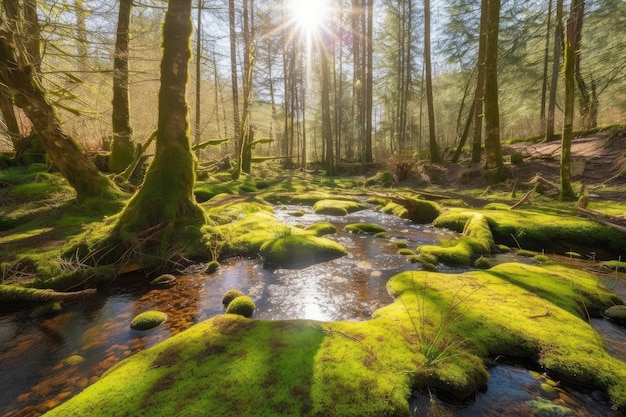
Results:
[20, 76]
[164, 213]
[571, 51]
[556, 54]
[494, 165]
[122, 148]
[234, 83]
[434, 150]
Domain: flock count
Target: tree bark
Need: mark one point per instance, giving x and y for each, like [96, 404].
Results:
[21, 78]
[494, 165]
[571, 46]
[434, 149]
[480, 86]
[234, 85]
[122, 147]
[163, 216]
[556, 56]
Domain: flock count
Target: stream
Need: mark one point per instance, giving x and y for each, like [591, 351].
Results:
[46, 360]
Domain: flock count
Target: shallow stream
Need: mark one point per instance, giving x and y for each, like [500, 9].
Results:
[46, 360]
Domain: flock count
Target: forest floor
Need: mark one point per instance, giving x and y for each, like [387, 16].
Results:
[598, 161]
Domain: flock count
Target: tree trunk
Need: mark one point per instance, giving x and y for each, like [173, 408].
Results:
[544, 78]
[327, 129]
[434, 149]
[20, 77]
[122, 147]
[480, 86]
[571, 45]
[556, 55]
[234, 84]
[163, 217]
[494, 165]
[245, 150]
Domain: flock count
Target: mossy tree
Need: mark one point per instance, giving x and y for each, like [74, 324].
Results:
[494, 165]
[165, 209]
[122, 147]
[20, 75]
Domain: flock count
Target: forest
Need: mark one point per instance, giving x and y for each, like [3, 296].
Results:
[313, 208]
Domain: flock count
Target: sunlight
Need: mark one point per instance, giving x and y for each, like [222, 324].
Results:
[308, 15]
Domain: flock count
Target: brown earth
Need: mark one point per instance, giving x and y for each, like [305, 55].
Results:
[598, 161]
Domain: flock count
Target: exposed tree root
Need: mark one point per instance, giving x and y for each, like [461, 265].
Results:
[14, 294]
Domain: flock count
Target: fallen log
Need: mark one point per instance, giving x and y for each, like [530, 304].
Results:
[615, 222]
[14, 293]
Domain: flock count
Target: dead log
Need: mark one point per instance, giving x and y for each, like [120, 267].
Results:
[525, 199]
[14, 293]
[615, 222]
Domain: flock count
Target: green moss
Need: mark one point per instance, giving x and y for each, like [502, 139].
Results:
[205, 192]
[400, 244]
[617, 314]
[212, 266]
[614, 265]
[416, 210]
[242, 306]
[482, 263]
[382, 178]
[299, 250]
[337, 207]
[322, 229]
[406, 252]
[477, 241]
[434, 334]
[366, 228]
[230, 295]
[148, 320]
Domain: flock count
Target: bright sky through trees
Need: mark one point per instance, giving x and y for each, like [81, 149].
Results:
[309, 15]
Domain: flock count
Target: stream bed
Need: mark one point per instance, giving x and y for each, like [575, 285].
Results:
[46, 360]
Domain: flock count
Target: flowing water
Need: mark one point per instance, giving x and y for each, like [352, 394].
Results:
[46, 360]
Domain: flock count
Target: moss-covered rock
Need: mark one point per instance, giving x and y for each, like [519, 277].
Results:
[366, 228]
[477, 241]
[322, 228]
[230, 295]
[148, 320]
[414, 209]
[242, 306]
[382, 178]
[338, 207]
[299, 250]
[212, 266]
[617, 314]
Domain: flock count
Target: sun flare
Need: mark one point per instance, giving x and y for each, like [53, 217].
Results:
[309, 15]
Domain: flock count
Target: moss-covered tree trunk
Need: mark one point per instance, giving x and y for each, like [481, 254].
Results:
[569, 64]
[122, 148]
[494, 165]
[163, 215]
[20, 77]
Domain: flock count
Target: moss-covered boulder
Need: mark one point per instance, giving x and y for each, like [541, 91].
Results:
[322, 228]
[230, 295]
[338, 207]
[300, 250]
[416, 210]
[366, 228]
[382, 178]
[476, 242]
[617, 314]
[148, 320]
[242, 305]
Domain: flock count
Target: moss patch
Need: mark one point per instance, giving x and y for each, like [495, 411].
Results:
[322, 229]
[617, 314]
[298, 250]
[242, 305]
[434, 334]
[148, 320]
[367, 228]
[337, 207]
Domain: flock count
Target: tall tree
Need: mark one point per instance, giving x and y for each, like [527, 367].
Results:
[234, 81]
[434, 149]
[571, 50]
[163, 215]
[556, 55]
[20, 76]
[480, 86]
[122, 148]
[494, 165]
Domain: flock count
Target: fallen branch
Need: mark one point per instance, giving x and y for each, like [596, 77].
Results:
[615, 222]
[546, 314]
[525, 199]
[14, 293]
